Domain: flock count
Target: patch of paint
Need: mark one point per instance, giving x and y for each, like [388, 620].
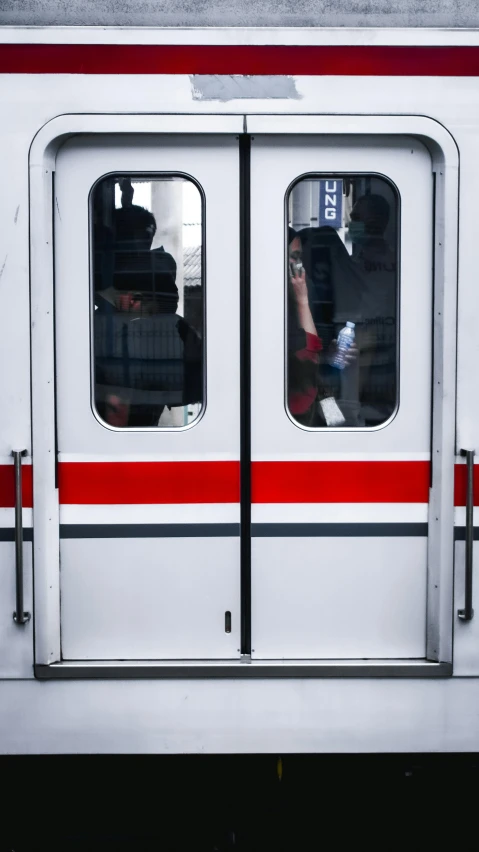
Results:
[230, 87]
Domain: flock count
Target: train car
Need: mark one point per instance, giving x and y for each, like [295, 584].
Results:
[226, 526]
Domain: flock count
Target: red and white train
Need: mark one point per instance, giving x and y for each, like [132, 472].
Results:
[213, 540]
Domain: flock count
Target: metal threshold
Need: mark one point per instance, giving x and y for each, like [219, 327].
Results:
[241, 668]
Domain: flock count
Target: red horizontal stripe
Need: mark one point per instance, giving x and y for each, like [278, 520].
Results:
[219, 482]
[460, 484]
[7, 486]
[149, 482]
[340, 482]
[356, 60]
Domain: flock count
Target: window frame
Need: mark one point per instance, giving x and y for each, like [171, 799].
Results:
[148, 175]
[397, 194]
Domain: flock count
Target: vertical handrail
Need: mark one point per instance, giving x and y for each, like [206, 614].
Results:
[19, 616]
[467, 614]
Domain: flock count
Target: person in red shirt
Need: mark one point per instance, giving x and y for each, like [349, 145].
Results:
[304, 344]
[309, 402]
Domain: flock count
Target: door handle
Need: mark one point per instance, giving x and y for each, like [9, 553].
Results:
[19, 616]
[467, 613]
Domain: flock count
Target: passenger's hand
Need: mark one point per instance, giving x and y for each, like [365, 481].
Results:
[350, 357]
[116, 410]
[128, 302]
[300, 288]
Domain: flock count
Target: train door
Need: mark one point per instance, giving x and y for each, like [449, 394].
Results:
[342, 231]
[147, 403]
[221, 480]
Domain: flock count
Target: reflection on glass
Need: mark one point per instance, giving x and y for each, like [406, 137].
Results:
[148, 301]
[342, 267]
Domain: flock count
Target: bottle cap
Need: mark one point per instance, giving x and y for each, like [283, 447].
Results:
[350, 324]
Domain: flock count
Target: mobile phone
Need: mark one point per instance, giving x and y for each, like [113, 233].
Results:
[296, 268]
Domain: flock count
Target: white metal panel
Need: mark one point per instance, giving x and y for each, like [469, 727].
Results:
[276, 162]
[466, 633]
[42, 163]
[213, 162]
[108, 588]
[16, 641]
[252, 35]
[335, 715]
[152, 513]
[150, 598]
[15, 426]
[335, 513]
[339, 598]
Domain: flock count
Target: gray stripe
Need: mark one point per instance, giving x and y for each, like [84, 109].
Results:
[460, 533]
[338, 530]
[8, 534]
[216, 530]
[237, 670]
[148, 530]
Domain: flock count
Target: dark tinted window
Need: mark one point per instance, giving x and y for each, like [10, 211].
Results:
[148, 301]
[342, 269]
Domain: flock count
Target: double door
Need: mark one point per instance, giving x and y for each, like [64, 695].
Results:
[224, 489]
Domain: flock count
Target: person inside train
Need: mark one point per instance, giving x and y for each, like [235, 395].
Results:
[372, 305]
[313, 389]
[103, 241]
[146, 355]
[360, 288]
[304, 344]
[328, 266]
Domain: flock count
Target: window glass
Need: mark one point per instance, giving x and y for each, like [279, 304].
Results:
[342, 296]
[148, 326]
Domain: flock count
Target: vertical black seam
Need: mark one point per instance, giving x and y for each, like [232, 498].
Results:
[245, 390]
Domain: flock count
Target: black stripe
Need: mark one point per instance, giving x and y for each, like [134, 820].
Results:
[338, 530]
[286, 530]
[245, 387]
[148, 530]
[460, 533]
[8, 534]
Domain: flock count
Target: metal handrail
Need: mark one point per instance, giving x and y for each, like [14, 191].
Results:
[19, 616]
[467, 614]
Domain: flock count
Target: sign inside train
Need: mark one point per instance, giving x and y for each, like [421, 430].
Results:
[331, 203]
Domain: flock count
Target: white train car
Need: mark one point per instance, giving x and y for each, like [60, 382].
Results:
[212, 539]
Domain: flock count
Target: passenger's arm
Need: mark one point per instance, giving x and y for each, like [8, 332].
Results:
[305, 317]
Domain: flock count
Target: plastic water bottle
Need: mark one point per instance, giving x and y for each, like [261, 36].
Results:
[345, 341]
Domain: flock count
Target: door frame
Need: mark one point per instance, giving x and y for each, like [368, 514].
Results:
[445, 161]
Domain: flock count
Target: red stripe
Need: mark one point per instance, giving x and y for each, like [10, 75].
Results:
[460, 484]
[356, 60]
[219, 482]
[7, 486]
[340, 482]
[149, 482]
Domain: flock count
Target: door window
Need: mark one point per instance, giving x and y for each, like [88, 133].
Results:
[342, 296]
[148, 298]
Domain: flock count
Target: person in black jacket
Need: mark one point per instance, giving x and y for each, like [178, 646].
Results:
[146, 355]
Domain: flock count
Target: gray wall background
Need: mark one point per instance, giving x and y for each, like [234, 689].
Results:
[239, 13]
